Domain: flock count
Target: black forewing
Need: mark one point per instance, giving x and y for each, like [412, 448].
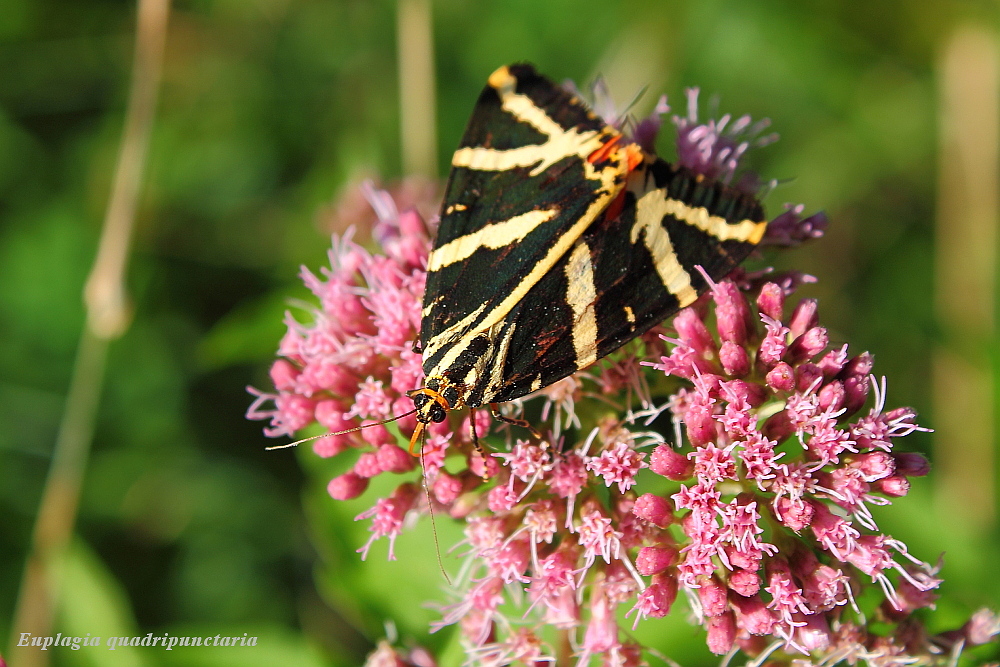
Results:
[542, 349]
[476, 198]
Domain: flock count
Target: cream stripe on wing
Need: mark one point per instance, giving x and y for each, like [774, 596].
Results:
[581, 295]
[496, 378]
[697, 216]
[450, 336]
[560, 143]
[525, 110]
[522, 106]
[557, 147]
[494, 235]
[650, 210]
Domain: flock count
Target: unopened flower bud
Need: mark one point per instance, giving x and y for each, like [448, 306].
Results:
[283, 374]
[911, 464]
[653, 508]
[330, 414]
[807, 376]
[744, 582]
[752, 644]
[713, 596]
[347, 486]
[804, 317]
[392, 458]
[873, 465]
[857, 382]
[447, 488]
[732, 313]
[700, 425]
[809, 344]
[781, 377]
[484, 468]
[860, 366]
[754, 616]
[771, 301]
[654, 560]
[483, 423]
[441, 429]
[855, 393]
[778, 426]
[734, 358]
[367, 465]
[831, 396]
[721, 633]
[376, 434]
[895, 486]
[669, 463]
[693, 331]
[406, 423]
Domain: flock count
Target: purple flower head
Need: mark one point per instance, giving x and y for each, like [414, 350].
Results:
[790, 228]
[715, 148]
[642, 131]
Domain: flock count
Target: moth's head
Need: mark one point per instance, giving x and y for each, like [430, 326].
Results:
[431, 406]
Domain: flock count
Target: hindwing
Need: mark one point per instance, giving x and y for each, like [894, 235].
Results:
[534, 170]
[627, 274]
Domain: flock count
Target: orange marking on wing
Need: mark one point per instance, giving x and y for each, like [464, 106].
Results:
[634, 156]
[604, 151]
[615, 207]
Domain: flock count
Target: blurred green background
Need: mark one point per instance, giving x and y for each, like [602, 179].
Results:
[268, 110]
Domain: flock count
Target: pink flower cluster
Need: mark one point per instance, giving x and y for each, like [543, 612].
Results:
[354, 362]
[779, 476]
[774, 463]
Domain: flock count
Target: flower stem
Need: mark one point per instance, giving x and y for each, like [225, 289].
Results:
[417, 112]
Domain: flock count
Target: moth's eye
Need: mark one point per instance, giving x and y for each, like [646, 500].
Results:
[420, 400]
[437, 413]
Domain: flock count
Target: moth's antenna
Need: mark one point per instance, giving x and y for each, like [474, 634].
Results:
[350, 430]
[430, 512]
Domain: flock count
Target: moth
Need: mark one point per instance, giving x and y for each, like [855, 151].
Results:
[559, 242]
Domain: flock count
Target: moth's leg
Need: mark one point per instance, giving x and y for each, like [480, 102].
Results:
[475, 436]
[516, 422]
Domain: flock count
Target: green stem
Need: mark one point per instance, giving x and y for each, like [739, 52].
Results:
[57, 512]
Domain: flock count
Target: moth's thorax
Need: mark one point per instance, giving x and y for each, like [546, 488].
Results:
[438, 396]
